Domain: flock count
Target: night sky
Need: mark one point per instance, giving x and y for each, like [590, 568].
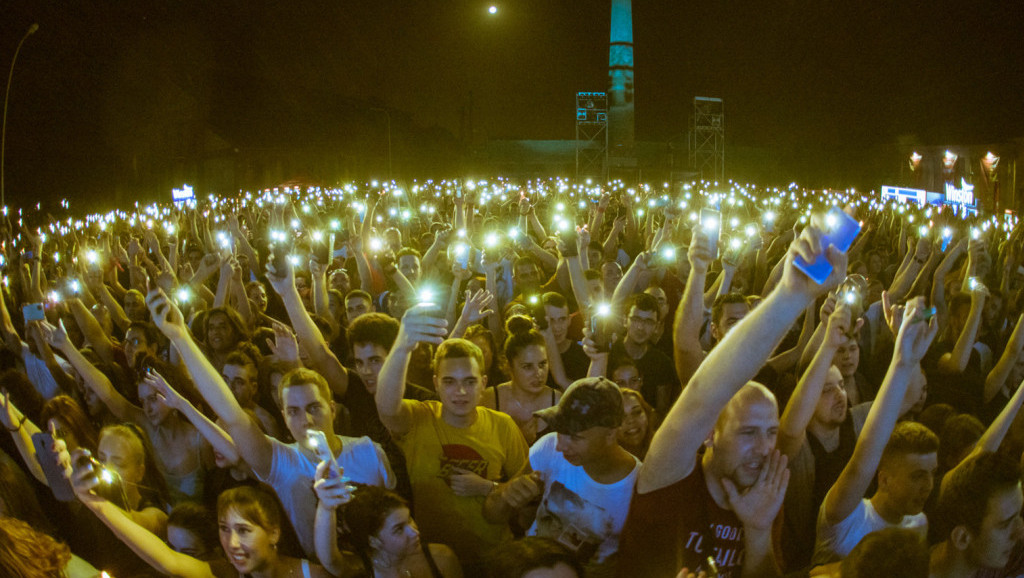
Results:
[103, 78]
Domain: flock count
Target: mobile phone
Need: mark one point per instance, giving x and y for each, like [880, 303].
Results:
[947, 236]
[33, 312]
[840, 231]
[317, 441]
[462, 255]
[110, 486]
[279, 258]
[599, 333]
[711, 222]
[538, 312]
[61, 487]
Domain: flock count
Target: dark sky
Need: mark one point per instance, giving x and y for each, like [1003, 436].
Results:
[102, 77]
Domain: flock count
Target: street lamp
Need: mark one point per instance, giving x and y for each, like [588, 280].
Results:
[388, 114]
[3, 134]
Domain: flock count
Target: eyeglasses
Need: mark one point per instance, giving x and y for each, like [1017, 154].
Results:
[643, 321]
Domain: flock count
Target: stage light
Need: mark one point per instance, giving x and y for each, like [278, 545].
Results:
[493, 9]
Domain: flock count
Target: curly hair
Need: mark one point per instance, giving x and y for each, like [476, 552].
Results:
[28, 553]
[364, 516]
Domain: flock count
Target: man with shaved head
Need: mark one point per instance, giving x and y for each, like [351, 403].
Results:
[712, 483]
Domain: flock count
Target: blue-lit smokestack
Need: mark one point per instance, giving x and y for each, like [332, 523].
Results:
[620, 79]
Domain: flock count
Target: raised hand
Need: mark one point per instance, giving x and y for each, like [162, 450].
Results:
[80, 471]
[838, 327]
[284, 346]
[523, 490]
[477, 306]
[171, 396]
[758, 505]
[420, 326]
[809, 246]
[916, 333]
[55, 335]
[893, 313]
[281, 281]
[331, 487]
[459, 272]
[166, 315]
[699, 255]
[590, 346]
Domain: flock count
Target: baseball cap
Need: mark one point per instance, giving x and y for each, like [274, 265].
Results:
[588, 402]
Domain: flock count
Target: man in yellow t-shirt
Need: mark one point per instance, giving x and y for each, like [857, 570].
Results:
[456, 451]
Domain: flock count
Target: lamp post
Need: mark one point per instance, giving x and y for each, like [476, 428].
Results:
[387, 113]
[3, 133]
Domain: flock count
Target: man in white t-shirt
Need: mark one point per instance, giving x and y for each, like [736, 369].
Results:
[306, 403]
[585, 477]
[905, 461]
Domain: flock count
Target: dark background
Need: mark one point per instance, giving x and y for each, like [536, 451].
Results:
[114, 100]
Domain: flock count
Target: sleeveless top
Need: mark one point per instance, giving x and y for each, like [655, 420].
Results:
[435, 572]
[224, 569]
[497, 407]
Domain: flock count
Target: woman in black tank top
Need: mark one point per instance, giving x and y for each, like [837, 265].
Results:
[383, 534]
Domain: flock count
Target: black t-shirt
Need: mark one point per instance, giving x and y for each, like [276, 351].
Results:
[655, 367]
[965, 390]
[680, 525]
[575, 362]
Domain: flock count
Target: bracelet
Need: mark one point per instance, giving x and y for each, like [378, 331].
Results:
[20, 424]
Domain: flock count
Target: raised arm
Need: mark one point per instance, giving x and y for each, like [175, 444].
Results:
[911, 344]
[218, 439]
[673, 450]
[997, 430]
[416, 327]
[21, 429]
[801, 406]
[254, 447]
[122, 409]
[690, 313]
[956, 361]
[996, 378]
[321, 358]
[94, 334]
[143, 542]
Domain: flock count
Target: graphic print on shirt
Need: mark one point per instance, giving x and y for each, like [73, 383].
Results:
[462, 457]
[726, 548]
[576, 523]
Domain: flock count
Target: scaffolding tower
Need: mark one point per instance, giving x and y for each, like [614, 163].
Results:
[707, 141]
[592, 134]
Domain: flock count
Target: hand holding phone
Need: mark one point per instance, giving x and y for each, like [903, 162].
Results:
[711, 223]
[840, 231]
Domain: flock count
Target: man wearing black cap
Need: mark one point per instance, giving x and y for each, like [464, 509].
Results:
[586, 478]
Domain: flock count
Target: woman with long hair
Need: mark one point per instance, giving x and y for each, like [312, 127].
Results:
[527, 391]
[62, 416]
[249, 522]
[380, 528]
[131, 474]
[638, 427]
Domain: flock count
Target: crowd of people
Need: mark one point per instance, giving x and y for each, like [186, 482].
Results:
[509, 379]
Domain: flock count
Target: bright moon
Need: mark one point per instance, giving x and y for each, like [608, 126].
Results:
[493, 9]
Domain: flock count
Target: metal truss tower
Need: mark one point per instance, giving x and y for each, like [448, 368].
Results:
[707, 143]
[592, 134]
